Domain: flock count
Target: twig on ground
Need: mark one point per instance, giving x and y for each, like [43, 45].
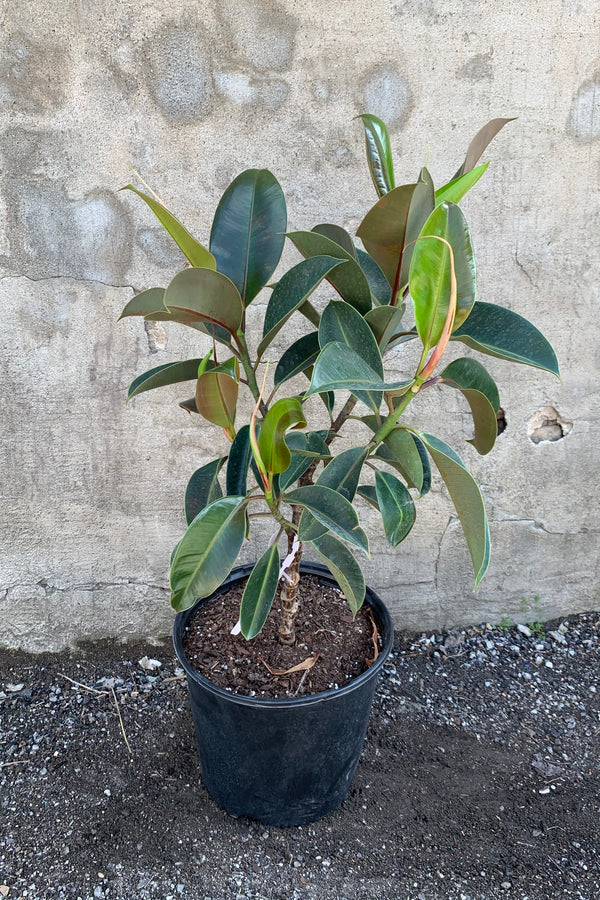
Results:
[121, 722]
[84, 686]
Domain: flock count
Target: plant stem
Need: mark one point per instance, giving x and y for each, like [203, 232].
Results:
[250, 374]
[390, 422]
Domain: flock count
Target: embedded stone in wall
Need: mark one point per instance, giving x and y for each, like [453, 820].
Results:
[547, 425]
[178, 73]
[33, 76]
[50, 234]
[478, 68]
[386, 94]
[584, 120]
[242, 90]
[264, 36]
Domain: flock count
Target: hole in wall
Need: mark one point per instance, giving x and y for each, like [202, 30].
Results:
[501, 420]
[547, 426]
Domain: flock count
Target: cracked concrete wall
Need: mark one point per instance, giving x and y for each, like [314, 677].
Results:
[190, 95]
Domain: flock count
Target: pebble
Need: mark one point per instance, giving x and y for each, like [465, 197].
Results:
[524, 630]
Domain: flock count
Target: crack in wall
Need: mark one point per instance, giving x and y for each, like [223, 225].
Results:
[71, 278]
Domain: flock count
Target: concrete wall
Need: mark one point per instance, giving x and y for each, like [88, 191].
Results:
[189, 94]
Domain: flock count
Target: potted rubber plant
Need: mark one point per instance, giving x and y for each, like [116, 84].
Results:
[311, 436]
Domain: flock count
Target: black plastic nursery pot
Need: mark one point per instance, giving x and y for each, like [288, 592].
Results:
[281, 761]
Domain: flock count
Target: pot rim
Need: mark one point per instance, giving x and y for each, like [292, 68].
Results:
[308, 568]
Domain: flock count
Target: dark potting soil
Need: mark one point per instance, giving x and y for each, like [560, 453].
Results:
[337, 646]
[479, 780]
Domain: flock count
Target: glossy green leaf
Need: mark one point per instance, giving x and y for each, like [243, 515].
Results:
[145, 303]
[201, 298]
[344, 568]
[455, 190]
[368, 493]
[480, 391]
[338, 235]
[341, 322]
[203, 488]
[259, 592]
[292, 292]
[499, 332]
[273, 449]
[305, 448]
[349, 280]
[341, 475]
[216, 398]
[160, 376]
[426, 466]
[400, 451]
[208, 550]
[396, 507]
[467, 501]
[338, 368]
[379, 153]
[240, 456]
[332, 510]
[480, 142]
[298, 357]
[380, 289]
[248, 231]
[430, 273]
[390, 228]
[189, 246]
[469, 374]
[384, 322]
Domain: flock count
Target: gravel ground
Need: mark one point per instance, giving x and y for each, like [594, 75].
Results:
[480, 778]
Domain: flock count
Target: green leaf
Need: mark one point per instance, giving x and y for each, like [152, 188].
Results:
[349, 280]
[203, 488]
[390, 228]
[169, 373]
[306, 447]
[469, 374]
[383, 322]
[292, 292]
[467, 500]
[341, 475]
[240, 456]
[502, 333]
[380, 289]
[207, 551]
[400, 451]
[344, 568]
[145, 303]
[332, 510]
[298, 357]
[396, 507]
[259, 592]
[379, 153]
[216, 398]
[273, 449]
[480, 391]
[338, 368]
[189, 246]
[426, 467]
[340, 322]
[430, 273]
[248, 231]
[455, 190]
[368, 493]
[338, 235]
[480, 142]
[201, 298]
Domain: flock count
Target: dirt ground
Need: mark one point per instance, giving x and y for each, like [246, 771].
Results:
[480, 778]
